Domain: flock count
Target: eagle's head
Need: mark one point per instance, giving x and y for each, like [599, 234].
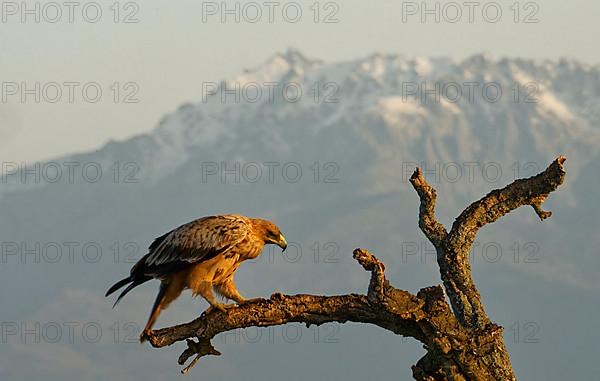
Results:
[270, 233]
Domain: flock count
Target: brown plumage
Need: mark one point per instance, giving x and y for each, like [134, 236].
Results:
[200, 255]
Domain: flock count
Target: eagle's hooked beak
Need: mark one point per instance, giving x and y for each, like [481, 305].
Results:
[282, 242]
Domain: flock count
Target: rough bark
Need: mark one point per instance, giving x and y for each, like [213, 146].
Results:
[461, 341]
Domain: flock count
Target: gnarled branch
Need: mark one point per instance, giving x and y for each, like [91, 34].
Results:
[462, 343]
[433, 230]
[532, 191]
[395, 310]
[453, 248]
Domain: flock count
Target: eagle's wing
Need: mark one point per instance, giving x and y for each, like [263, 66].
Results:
[194, 242]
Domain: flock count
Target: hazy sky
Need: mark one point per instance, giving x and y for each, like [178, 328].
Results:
[162, 59]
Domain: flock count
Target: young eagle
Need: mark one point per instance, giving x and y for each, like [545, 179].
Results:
[200, 255]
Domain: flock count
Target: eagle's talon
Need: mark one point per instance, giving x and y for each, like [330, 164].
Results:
[146, 334]
[219, 306]
[251, 300]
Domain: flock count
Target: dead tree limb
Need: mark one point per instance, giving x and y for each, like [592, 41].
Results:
[461, 341]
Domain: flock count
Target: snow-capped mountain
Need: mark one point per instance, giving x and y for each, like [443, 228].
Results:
[385, 103]
[398, 108]
[325, 149]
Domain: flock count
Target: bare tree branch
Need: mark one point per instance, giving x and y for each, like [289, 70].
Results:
[392, 309]
[532, 191]
[433, 230]
[453, 249]
[462, 343]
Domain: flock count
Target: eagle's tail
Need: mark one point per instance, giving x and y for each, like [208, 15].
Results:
[134, 283]
[118, 285]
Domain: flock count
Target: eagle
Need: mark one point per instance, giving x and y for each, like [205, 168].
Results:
[200, 255]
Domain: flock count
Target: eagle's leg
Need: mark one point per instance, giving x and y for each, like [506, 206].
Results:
[169, 291]
[205, 289]
[227, 289]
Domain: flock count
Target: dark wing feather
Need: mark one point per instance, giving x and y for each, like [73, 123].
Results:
[194, 242]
